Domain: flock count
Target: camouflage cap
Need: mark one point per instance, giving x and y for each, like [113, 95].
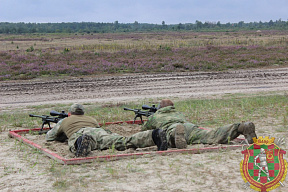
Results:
[76, 109]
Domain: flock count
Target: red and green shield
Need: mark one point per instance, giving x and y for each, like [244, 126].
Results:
[277, 167]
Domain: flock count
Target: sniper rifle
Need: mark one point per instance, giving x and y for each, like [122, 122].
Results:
[139, 113]
[46, 119]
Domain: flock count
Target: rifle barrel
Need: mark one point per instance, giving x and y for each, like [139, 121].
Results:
[41, 116]
[128, 109]
[46, 118]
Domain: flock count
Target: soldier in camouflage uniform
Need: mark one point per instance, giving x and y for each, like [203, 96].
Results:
[181, 132]
[84, 135]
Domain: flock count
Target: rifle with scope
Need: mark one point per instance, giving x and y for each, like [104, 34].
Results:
[46, 119]
[139, 113]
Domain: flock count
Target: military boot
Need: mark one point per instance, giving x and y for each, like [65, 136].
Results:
[179, 136]
[159, 138]
[248, 130]
[83, 146]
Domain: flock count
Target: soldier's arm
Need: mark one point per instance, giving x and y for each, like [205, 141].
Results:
[150, 124]
[52, 134]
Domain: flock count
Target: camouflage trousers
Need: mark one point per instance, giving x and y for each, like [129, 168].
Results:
[102, 140]
[196, 135]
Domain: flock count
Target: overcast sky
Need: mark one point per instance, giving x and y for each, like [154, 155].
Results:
[143, 11]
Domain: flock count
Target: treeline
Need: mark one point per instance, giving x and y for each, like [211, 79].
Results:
[92, 27]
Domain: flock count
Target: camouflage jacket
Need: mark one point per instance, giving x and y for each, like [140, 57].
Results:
[163, 118]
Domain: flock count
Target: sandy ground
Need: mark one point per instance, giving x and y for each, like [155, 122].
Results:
[139, 86]
[25, 169]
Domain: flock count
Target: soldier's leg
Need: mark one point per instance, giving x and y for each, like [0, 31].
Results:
[248, 130]
[194, 134]
[140, 140]
[147, 139]
[105, 140]
[222, 135]
[100, 139]
[176, 136]
[230, 132]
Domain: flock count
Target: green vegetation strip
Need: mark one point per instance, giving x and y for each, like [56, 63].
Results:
[204, 112]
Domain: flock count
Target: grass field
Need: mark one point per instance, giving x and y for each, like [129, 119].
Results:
[31, 56]
[207, 113]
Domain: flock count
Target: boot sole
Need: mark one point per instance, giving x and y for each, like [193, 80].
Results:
[83, 148]
[180, 141]
[164, 144]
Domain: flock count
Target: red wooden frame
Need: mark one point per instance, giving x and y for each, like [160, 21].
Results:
[16, 134]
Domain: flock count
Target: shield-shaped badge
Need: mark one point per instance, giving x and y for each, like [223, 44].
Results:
[263, 167]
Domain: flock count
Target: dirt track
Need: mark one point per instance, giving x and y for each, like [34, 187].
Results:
[135, 86]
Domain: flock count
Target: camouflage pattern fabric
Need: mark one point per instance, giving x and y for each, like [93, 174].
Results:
[167, 118]
[102, 140]
[54, 132]
[221, 135]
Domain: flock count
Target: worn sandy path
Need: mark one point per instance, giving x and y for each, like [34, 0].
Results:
[138, 86]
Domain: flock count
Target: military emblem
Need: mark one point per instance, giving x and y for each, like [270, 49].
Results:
[263, 168]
